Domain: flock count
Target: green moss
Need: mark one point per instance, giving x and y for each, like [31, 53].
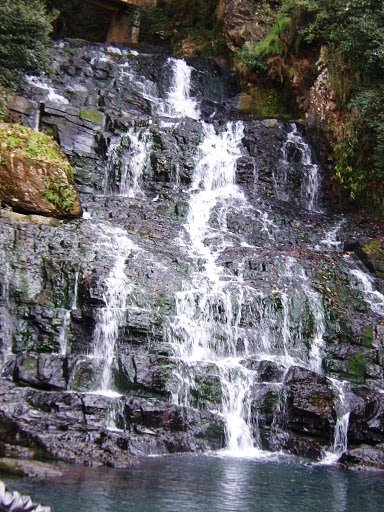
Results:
[36, 145]
[267, 101]
[356, 367]
[92, 115]
[367, 336]
[24, 285]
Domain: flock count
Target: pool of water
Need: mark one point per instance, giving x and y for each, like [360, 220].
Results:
[209, 483]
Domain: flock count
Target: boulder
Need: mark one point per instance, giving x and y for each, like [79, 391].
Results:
[309, 407]
[35, 177]
[43, 371]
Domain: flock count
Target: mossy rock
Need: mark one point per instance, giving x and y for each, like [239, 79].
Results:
[375, 250]
[357, 367]
[266, 101]
[92, 116]
[35, 176]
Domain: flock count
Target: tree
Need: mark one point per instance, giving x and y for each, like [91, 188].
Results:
[24, 38]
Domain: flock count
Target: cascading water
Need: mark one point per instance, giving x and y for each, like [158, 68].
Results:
[112, 316]
[340, 442]
[204, 329]
[127, 162]
[213, 310]
[311, 176]
[63, 335]
[178, 102]
[239, 290]
[372, 296]
[331, 240]
[6, 317]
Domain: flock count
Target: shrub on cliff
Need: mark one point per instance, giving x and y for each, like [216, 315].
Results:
[24, 38]
[352, 31]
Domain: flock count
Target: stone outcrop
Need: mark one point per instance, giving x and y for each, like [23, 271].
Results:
[241, 21]
[34, 177]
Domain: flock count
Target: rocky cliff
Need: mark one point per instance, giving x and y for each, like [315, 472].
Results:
[99, 314]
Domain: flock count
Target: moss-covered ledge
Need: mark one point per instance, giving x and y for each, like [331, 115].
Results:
[35, 176]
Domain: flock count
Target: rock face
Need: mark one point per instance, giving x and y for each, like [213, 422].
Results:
[241, 21]
[287, 308]
[34, 177]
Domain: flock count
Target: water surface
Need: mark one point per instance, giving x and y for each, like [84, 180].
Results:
[208, 484]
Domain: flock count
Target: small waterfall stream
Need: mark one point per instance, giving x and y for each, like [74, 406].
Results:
[63, 334]
[127, 161]
[340, 442]
[179, 102]
[302, 153]
[6, 316]
[366, 283]
[113, 315]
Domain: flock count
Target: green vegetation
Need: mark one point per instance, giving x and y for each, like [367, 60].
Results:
[351, 34]
[41, 147]
[60, 194]
[357, 367]
[24, 38]
[92, 115]
[36, 145]
[264, 101]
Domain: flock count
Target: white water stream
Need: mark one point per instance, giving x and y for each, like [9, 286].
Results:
[367, 285]
[127, 161]
[179, 102]
[340, 442]
[112, 317]
[311, 178]
[6, 316]
[214, 308]
[63, 335]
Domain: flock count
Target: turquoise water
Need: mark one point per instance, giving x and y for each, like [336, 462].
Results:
[208, 484]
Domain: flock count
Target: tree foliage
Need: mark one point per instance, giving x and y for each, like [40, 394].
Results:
[24, 38]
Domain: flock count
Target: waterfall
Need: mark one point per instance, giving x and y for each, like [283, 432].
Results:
[213, 310]
[340, 442]
[178, 102]
[366, 284]
[331, 240]
[63, 335]
[112, 316]
[127, 161]
[297, 274]
[311, 178]
[6, 316]
[209, 309]
[49, 91]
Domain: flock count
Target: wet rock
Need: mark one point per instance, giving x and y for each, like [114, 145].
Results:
[365, 455]
[44, 371]
[29, 468]
[241, 21]
[76, 427]
[268, 371]
[366, 422]
[309, 403]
